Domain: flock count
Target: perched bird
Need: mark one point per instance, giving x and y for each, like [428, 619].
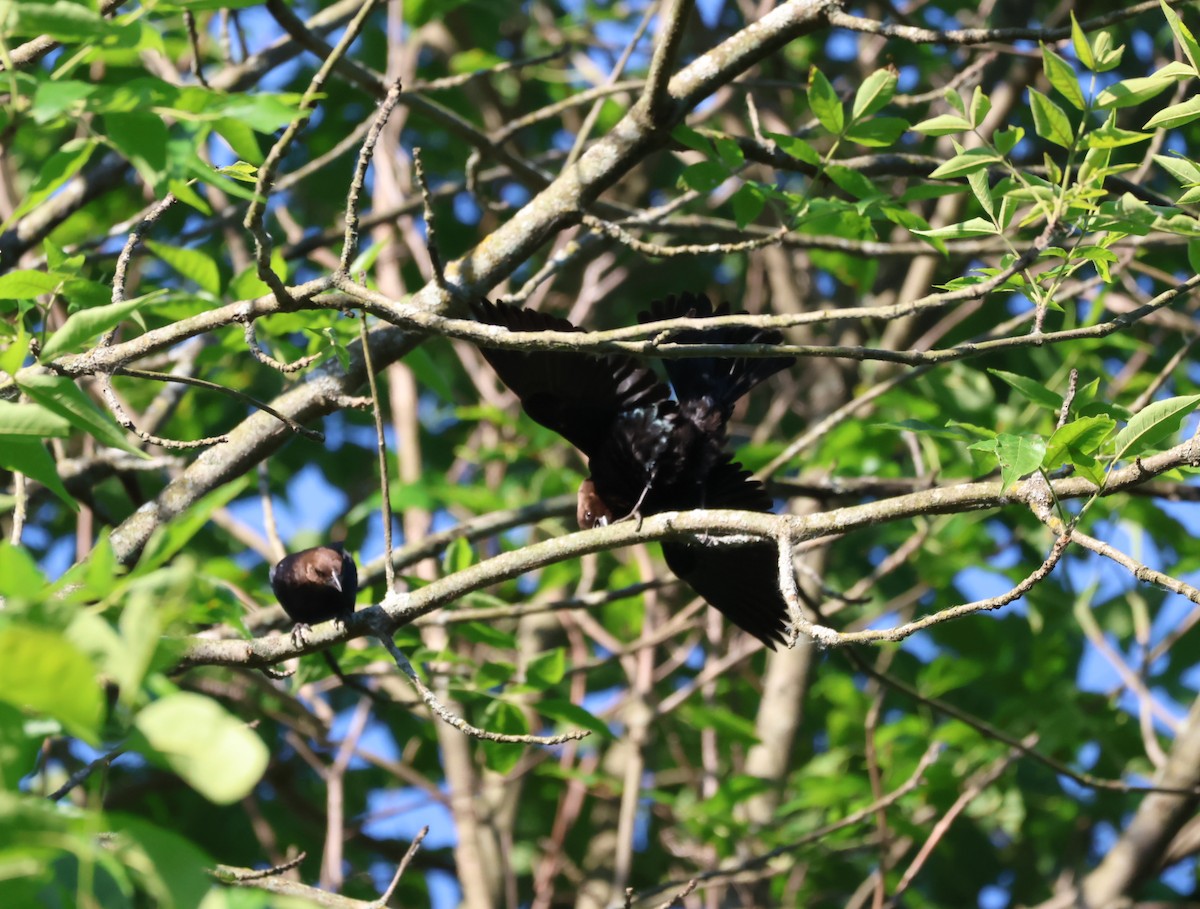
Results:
[649, 451]
[315, 585]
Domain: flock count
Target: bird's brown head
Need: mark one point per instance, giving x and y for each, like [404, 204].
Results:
[590, 509]
[323, 565]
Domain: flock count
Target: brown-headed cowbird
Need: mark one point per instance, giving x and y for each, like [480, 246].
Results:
[315, 585]
[649, 452]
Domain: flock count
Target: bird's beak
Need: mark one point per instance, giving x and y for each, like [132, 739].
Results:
[336, 581]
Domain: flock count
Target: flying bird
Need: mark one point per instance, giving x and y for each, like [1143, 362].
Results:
[316, 585]
[650, 451]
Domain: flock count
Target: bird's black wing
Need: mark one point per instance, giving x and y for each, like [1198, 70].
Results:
[742, 582]
[577, 395]
[721, 379]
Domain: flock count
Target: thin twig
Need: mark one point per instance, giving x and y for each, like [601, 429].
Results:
[1086, 780]
[435, 257]
[458, 722]
[589, 120]
[389, 569]
[118, 412]
[267, 360]
[80, 775]
[975, 786]
[189, 20]
[829, 638]
[126, 255]
[862, 815]
[365, 154]
[253, 221]
[314, 434]
[274, 543]
[1065, 411]
[409, 854]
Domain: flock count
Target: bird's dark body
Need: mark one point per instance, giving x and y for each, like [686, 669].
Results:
[317, 584]
[649, 452]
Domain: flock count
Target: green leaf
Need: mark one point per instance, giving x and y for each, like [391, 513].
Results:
[1032, 389]
[25, 284]
[1078, 442]
[213, 751]
[978, 181]
[796, 148]
[141, 137]
[874, 93]
[1018, 456]
[1152, 424]
[747, 204]
[878, 132]
[728, 725]
[419, 12]
[61, 395]
[1110, 136]
[965, 163]
[689, 138]
[240, 138]
[943, 125]
[31, 421]
[1107, 57]
[703, 176]
[70, 23]
[501, 716]
[972, 227]
[124, 657]
[171, 869]
[1050, 121]
[569, 714]
[172, 535]
[1006, 140]
[32, 459]
[86, 324]
[44, 673]
[952, 431]
[1062, 77]
[60, 167]
[20, 576]
[1185, 170]
[18, 752]
[1083, 50]
[1175, 115]
[483, 633]
[981, 106]
[192, 264]
[1183, 35]
[824, 102]
[1193, 254]
[853, 182]
[1130, 92]
[492, 674]
[547, 669]
[729, 152]
[458, 556]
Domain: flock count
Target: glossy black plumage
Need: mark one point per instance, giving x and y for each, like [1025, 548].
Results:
[316, 585]
[650, 452]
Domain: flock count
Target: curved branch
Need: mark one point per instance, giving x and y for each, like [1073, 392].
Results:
[679, 525]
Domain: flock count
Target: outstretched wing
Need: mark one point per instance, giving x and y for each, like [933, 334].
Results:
[577, 395]
[742, 582]
[721, 379]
